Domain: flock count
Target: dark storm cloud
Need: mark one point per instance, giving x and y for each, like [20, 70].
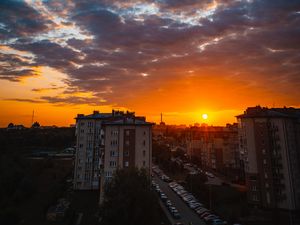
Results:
[14, 67]
[50, 54]
[184, 3]
[18, 19]
[128, 49]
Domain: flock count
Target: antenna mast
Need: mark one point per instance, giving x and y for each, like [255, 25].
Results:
[32, 117]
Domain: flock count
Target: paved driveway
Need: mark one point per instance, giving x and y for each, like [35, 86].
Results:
[187, 214]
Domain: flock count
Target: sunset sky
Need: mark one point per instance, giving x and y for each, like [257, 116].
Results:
[183, 58]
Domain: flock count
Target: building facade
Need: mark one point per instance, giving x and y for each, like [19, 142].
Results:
[127, 144]
[269, 141]
[216, 147]
[97, 140]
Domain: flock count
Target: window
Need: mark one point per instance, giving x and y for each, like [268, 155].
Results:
[112, 163]
[126, 153]
[127, 132]
[126, 164]
[255, 198]
[144, 153]
[144, 163]
[144, 142]
[112, 153]
[127, 142]
[108, 174]
[144, 133]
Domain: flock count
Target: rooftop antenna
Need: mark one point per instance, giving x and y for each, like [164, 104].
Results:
[32, 117]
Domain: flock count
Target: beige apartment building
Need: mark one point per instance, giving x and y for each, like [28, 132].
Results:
[270, 146]
[127, 143]
[102, 146]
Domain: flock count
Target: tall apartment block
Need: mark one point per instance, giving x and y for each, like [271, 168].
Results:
[102, 146]
[127, 144]
[269, 141]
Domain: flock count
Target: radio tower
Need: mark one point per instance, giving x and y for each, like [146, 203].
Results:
[32, 117]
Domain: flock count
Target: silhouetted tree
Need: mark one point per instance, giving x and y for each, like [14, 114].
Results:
[10, 125]
[128, 199]
[35, 125]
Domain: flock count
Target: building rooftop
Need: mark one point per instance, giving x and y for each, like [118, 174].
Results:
[258, 111]
[128, 121]
[116, 118]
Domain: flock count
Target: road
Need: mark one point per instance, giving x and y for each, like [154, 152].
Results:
[187, 215]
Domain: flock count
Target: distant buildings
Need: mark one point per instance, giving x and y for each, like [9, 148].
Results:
[12, 126]
[107, 141]
[215, 147]
[269, 141]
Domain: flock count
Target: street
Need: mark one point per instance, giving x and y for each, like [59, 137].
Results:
[187, 215]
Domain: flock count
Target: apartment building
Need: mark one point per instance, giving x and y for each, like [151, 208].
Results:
[215, 146]
[94, 143]
[127, 143]
[269, 141]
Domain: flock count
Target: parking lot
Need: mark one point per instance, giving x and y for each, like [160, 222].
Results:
[187, 215]
[181, 206]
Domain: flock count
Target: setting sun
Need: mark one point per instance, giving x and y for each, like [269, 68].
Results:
[204, 116]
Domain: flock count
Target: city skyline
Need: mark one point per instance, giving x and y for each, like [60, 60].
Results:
[180, 58]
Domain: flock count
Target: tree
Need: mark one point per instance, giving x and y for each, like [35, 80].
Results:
[129, 200]
[35, 125]
[10, 125]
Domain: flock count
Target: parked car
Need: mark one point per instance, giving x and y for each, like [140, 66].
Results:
[209, 174]
[188, 198]
[201, 211]
[210, 217]
[180, 192]
[195, 205]
[204, 214]
[176, 215]
[173, 184]
[218, 222]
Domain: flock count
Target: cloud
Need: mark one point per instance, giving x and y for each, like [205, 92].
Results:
[18, 19]
[249, 42]
[73, 100]
[14, 67]
[24, 100]
[46, 89]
